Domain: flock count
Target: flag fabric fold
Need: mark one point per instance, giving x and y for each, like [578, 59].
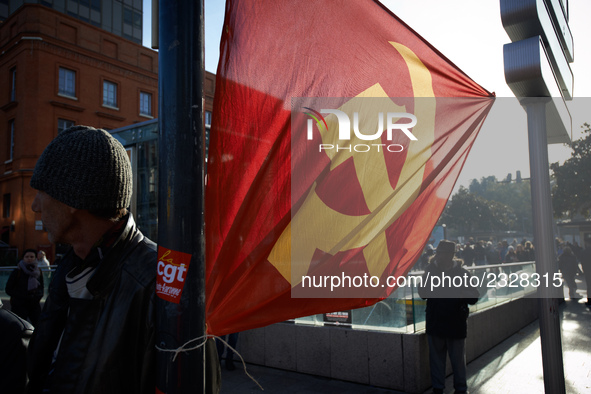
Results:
[272, 202]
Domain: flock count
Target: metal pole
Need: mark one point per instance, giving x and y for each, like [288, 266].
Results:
[181, 193]
[550, 336]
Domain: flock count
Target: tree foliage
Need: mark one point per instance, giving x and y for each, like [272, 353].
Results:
[490, 205]
[516, 195]
[468, 213]
[571, 193]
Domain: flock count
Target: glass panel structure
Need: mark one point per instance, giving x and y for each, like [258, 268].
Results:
[105, 14]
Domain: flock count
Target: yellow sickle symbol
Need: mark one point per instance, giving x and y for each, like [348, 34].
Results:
[316, 226]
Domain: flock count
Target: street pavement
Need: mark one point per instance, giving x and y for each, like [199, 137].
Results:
[513, 366]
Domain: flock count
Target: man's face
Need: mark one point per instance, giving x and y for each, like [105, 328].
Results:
[57, 217]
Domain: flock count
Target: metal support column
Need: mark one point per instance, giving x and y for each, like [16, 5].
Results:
[544, 242]
[181, 190]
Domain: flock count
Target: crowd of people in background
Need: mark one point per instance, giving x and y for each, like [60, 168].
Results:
[478, 253]
[574, 260]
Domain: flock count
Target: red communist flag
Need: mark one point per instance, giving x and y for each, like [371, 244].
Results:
[296, 191]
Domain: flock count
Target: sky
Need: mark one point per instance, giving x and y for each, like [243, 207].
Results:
[470, 34]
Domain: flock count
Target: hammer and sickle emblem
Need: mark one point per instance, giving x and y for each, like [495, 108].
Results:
[317, 226]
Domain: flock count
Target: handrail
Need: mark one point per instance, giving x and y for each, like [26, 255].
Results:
[479, 267]
[13, 267]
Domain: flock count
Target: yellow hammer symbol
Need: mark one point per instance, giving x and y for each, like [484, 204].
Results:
[317, 226]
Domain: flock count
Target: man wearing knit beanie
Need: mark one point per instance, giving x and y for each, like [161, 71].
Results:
[96, 331]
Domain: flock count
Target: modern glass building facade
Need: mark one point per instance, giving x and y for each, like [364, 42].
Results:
[141, 142]
[120, 17]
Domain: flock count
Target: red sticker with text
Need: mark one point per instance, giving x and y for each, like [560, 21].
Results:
[172, 272]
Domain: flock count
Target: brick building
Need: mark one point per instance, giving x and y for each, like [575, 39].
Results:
[57, 71]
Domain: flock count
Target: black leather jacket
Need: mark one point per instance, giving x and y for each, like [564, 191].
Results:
[108, 342]
[14, 339]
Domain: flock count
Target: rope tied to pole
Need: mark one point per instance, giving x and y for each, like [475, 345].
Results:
[188, 346]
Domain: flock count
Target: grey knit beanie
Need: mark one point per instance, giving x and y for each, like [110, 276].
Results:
[85, 168]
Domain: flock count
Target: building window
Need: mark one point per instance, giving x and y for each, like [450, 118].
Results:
[67, 82]
[6, 206]
[145, 104]
[137, 19]
[110, 94]
[10, 142]
[127, 16]
[207, 118]
[63, 124]
[13, 84]
[4, 7]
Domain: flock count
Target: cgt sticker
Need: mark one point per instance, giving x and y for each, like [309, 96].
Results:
[172, 272]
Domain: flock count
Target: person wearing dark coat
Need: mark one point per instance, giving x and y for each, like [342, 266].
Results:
[97, 331]
[569, 267]
[586, 264]
[14, 340]
[447, 315]
[25, 287]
